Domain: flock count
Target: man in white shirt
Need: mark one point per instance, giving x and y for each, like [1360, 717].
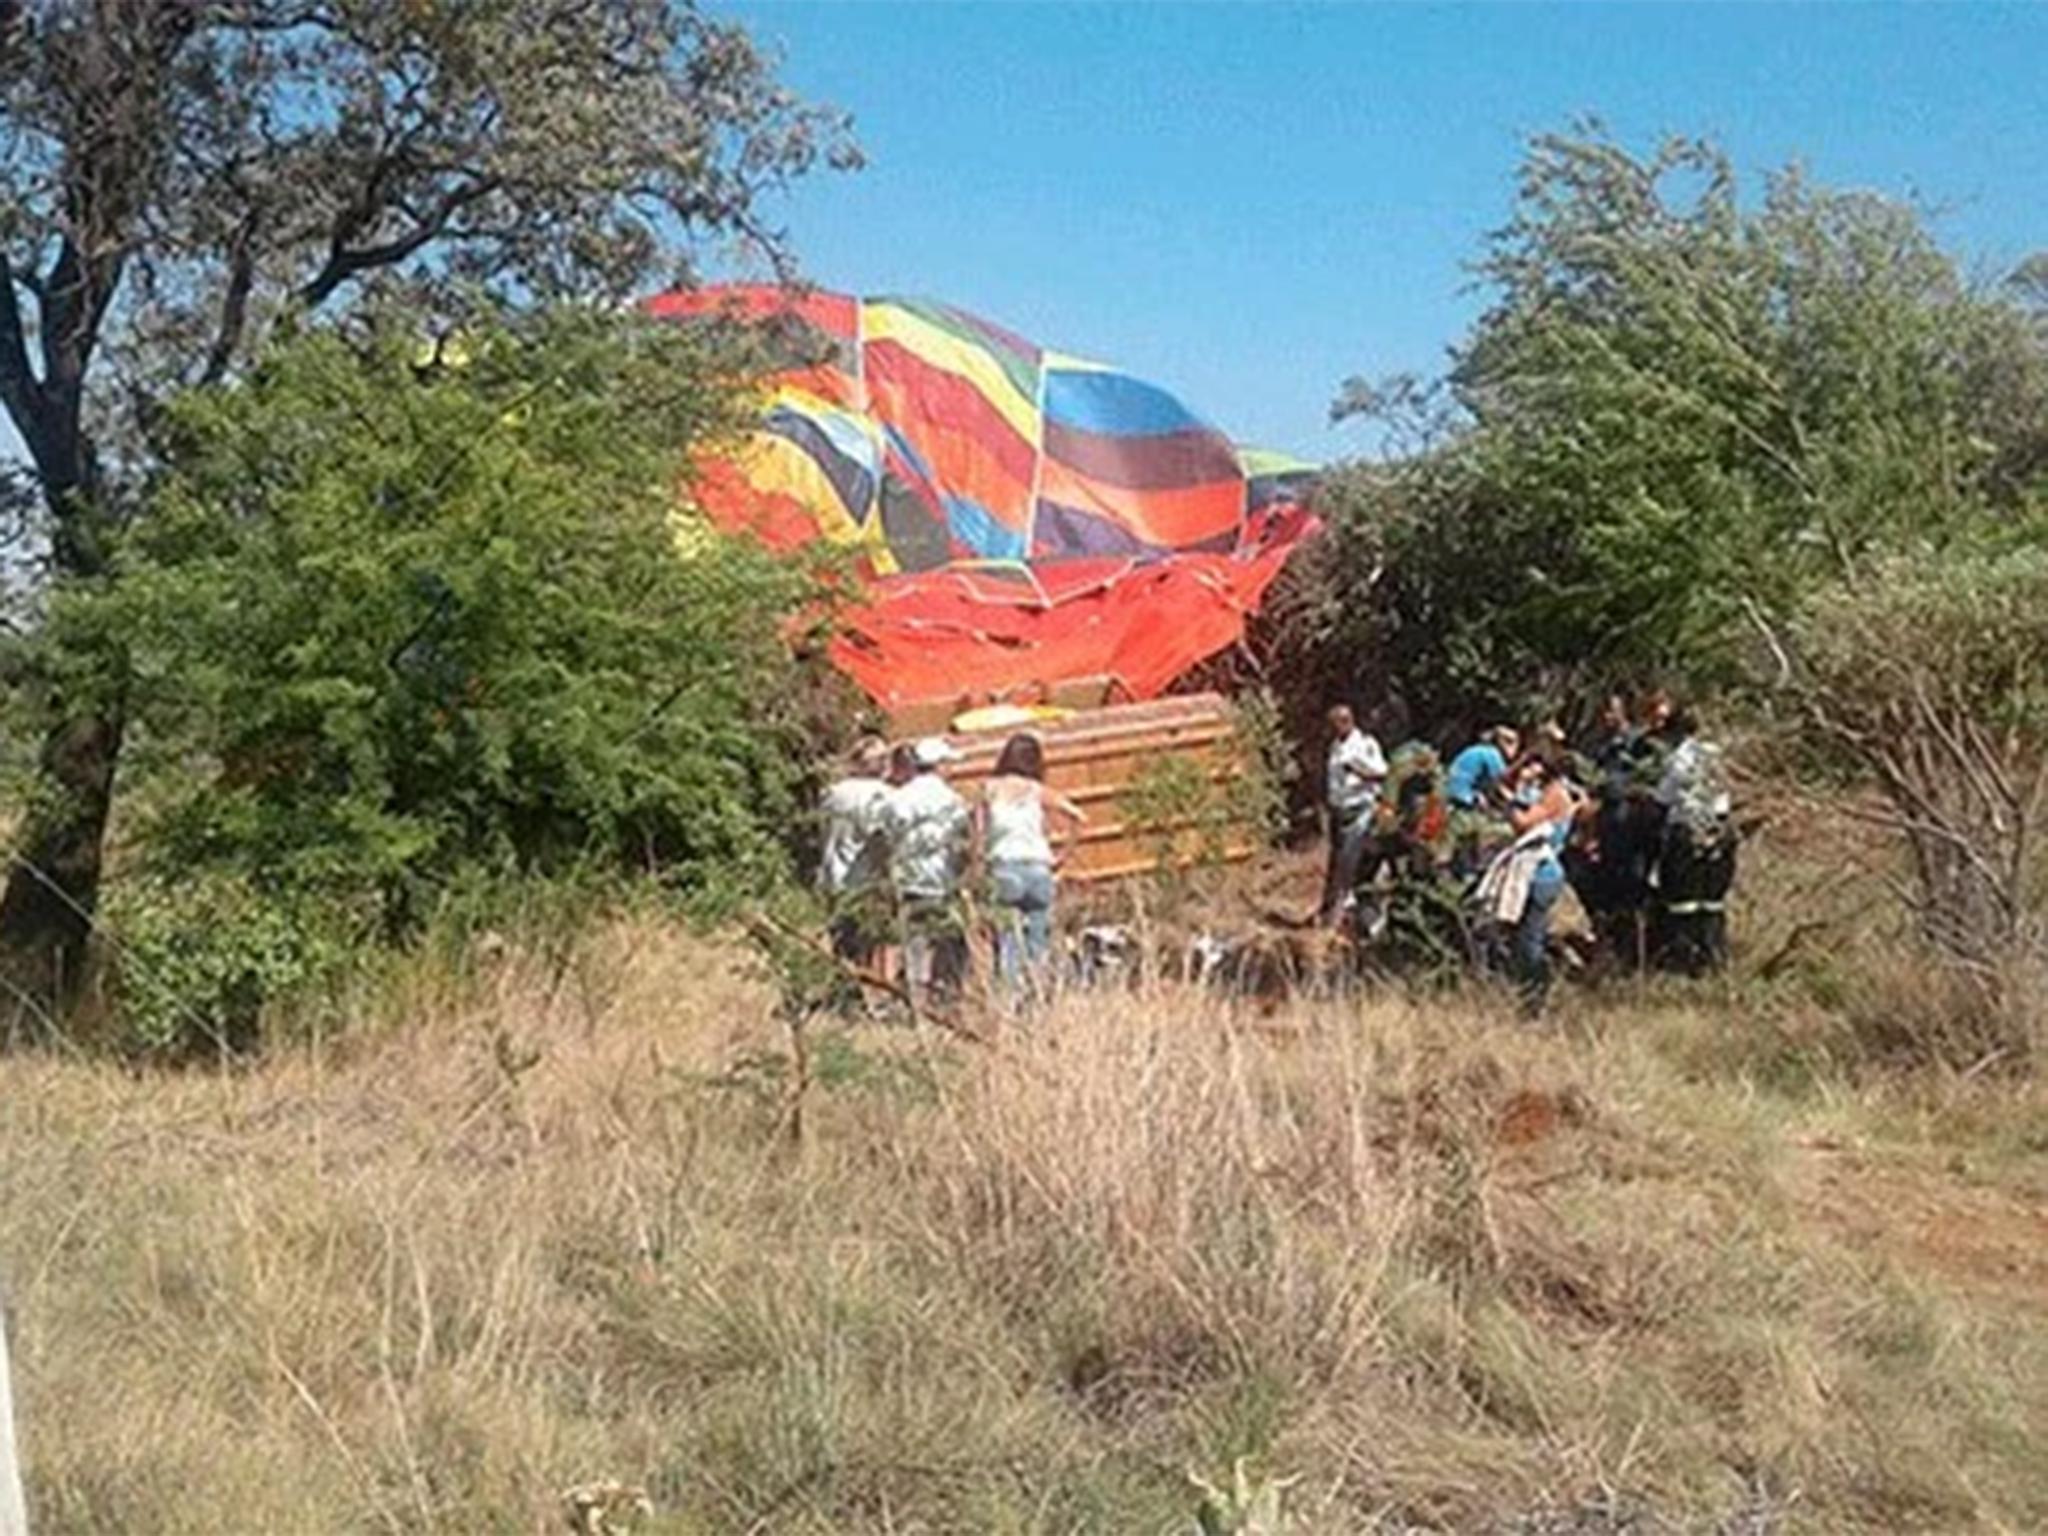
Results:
[854, 857]
[1356, 771]
[928, 829]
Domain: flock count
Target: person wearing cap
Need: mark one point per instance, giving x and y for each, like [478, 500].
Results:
[928, 830]
[853, 856]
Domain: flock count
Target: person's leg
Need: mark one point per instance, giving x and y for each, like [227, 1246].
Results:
[1634, 897]
[1347, 856]
[1532, 937]
[1006, 945]
[915, 949]
[1678, 892]
[1701, 905]
[850, 948]
[1333, 889]
[917, 968]
[1378, 855]
[853, 928]
[1038, 925]
[1007, 887]
[1721, 880]
[950, 963]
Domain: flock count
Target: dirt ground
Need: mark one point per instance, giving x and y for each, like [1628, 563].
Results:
[1988, 1243]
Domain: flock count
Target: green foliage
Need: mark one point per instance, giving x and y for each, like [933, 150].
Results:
[1680, 406]
[403, 616]
[1260, 793]
[186, 183]
[1178, 810]
[1970, 628]
[1189, 812]
[181, 185]
[199, 957]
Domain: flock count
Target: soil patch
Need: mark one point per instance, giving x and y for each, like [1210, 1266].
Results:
[1985, 1241]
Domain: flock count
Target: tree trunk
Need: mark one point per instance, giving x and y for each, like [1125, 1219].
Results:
[53, 886]
[53, 883]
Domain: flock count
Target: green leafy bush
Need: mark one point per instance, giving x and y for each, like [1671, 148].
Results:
[1190, 812]
[1681, 403]
[198, 959]
[406, 616]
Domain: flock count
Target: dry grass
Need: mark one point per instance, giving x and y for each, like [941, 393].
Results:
[536, 1224]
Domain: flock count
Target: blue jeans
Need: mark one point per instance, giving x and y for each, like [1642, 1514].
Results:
[1024, 925]
[1532, 933]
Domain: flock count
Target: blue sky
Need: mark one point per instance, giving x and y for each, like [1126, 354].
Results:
[1249, 202]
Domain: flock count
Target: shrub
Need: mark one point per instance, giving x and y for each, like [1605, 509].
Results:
[1188, 812]
[1681, 400]
[404, 618]
[198, 959]
[1929, 679]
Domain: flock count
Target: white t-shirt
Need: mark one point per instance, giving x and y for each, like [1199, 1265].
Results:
[856, 854]
[1016, 829]
[927, 826]
[1357, 770]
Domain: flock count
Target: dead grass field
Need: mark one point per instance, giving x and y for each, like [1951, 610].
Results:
[534, 1222]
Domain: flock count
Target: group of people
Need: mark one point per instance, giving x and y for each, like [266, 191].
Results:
[902, 849]
[1636, 821]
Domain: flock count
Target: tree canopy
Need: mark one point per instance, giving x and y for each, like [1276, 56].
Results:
[402, 616]
[1679, 404]
[185, 176]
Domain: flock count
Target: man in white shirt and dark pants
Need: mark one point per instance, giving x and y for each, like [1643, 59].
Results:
[1357, 768]
[853, 863]
[928, 831]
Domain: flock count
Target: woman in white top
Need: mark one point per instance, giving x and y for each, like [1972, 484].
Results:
[1010, 822]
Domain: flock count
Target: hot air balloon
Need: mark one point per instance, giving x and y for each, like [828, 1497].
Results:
[1024, 519]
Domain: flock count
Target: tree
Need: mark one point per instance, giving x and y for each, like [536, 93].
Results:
[395, 620]
[1679, 404]
[1931, 683]
[183, 176]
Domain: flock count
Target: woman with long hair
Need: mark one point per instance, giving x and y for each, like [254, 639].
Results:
[1010, 823]
[1522, 885]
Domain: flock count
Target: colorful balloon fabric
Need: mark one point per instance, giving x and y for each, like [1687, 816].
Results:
[1025, 518]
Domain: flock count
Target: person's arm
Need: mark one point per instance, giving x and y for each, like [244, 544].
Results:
[1498, 786]
[976, 833]
[1060, 805]
[1359, 761]
[1678, 768]
[1372, 762]
[1554, 804]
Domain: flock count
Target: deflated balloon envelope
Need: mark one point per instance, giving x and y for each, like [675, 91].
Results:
[1024, 517]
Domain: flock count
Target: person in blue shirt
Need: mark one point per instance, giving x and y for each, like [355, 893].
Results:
[1477, 769]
